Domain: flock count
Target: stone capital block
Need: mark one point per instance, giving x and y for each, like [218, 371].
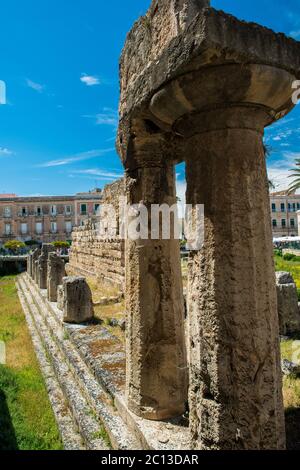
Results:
[55, 274]
[287, 300]
[77, 300]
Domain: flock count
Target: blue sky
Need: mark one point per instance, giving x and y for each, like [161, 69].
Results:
[59, 59]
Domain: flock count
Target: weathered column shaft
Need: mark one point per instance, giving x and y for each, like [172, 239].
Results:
[156, 357]
[235, 378]
[55, 274]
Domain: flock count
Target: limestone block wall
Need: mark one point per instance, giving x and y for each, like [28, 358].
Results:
[94, 256]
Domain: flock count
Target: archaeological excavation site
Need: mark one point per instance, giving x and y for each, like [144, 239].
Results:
[144, 344]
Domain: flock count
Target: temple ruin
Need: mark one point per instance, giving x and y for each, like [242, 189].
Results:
[197, 86]
[200, 86]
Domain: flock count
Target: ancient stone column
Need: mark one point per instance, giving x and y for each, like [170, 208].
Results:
[55, 274]
[34, 257]
[235, 384]
[156, 375]
[42, 267]
[77, 300]
[29, 264]
[287, 299]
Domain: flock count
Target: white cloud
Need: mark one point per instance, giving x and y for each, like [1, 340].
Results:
[35, 86]
[100, 172]
[5, 152]
[76, 158]
[108, 117]
[89, 80]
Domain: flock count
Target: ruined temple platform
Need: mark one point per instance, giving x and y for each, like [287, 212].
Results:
[84, 371]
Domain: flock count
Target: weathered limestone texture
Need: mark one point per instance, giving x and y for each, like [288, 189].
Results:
[56, 273]
[208, 84]
[77, 300]
[96, 256]
[42, 265]
[287, 299]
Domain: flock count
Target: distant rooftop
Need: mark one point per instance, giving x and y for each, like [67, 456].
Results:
[6, 196]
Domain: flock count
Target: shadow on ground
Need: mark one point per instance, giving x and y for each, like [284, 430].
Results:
[292, 420]
[7, 434]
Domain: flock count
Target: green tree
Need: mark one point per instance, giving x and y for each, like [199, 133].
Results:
[295, 184]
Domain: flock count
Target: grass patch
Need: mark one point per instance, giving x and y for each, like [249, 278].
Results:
[26, 418]
[102, 434]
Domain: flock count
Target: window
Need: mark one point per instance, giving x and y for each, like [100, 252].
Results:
[274, 223]
[53, 210]
[38, 211]
[97, 208]
[7, 229]
[68, 227]
[283, 223]
[292, 222]
[53, 227]
[282, 206]
[24, 211]
[7, 211]
[24, 229]
[294, 207]
[39, 228]
[273, 207]
[68, 210]
[298, 206]
[83, 209]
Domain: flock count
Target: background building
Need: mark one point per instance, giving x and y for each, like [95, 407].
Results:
[284, 209]
[45, 219]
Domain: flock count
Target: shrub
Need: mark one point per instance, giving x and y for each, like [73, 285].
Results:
[289, 257]
[14, 245]
[277, 252]
[298, 293]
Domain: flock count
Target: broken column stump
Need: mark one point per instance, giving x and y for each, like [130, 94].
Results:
[77, 300]
[42, 265]
[55, 274]
[32, 260]
[287, 300]
[208, 84]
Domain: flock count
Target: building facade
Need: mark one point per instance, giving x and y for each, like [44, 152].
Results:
[45, 219]
[284, 216]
